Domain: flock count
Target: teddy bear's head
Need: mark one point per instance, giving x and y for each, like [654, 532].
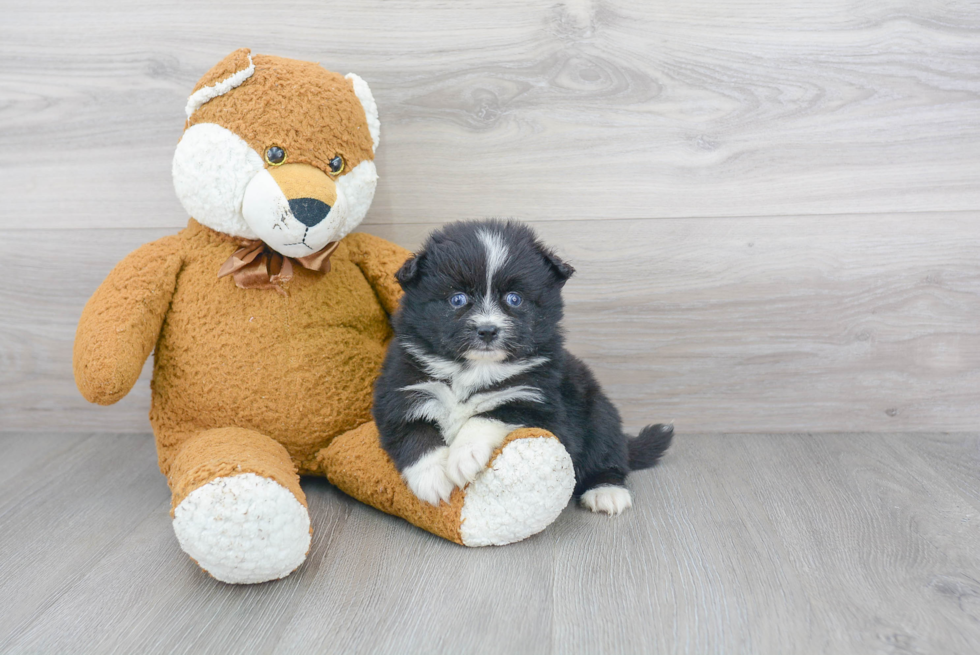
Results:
[279, 150]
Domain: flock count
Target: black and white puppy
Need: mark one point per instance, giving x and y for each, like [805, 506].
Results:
[479, 352]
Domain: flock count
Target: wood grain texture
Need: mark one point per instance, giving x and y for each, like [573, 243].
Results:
[742, 559]
[31, 453]
[51, 533]
[773, 211]
[738, 543]
[769, 324]
[543, 111]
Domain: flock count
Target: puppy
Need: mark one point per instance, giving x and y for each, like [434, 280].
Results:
[479, 352]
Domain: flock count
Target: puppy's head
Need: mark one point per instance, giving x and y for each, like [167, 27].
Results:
[482, 291]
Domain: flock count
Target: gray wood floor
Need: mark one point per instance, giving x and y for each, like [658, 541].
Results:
[765, 543]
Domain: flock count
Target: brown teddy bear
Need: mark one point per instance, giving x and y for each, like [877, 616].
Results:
[269, 319]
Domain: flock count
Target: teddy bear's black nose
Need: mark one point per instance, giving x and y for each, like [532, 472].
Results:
[309, 211]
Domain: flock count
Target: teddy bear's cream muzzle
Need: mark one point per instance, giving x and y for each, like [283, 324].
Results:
[293, 208]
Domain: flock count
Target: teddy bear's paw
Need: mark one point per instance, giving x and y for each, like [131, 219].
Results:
[427, 477]
[525, 488]
[243, 529]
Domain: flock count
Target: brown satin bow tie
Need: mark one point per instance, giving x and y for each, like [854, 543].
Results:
[257, 266]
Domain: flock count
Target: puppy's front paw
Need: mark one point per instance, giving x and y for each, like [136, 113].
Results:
[467, 460]
[427, 477]
[607, 499]
[471, 449]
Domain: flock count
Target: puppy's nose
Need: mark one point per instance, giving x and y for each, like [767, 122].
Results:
[309, 211]
[487, 333]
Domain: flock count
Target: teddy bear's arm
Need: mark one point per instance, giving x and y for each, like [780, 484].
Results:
[121, 321]
[379, 260]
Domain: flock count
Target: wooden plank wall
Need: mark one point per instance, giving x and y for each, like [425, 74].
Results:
[772, 206]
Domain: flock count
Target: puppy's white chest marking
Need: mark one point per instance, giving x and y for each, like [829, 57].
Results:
[448, 409]
[454, 396]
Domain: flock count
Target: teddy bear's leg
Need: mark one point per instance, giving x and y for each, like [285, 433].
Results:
[237, 506]
[525, 486]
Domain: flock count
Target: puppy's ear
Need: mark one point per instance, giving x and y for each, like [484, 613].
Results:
[561, 270]
[409, 272]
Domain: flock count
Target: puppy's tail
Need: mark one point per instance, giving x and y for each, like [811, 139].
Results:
[650, 445]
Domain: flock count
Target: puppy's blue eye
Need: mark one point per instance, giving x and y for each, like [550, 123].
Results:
[457, 300]
[513, 299]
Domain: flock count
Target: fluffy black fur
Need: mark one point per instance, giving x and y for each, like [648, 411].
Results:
[428, 327]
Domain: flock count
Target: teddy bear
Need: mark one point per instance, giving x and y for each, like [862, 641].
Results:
[268, 318]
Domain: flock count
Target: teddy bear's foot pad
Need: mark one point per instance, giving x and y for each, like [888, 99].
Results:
[524, 489]
[243, 529]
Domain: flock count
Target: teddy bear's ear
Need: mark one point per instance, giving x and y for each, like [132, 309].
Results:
[227, 74]
[409, 271]
[363, 92]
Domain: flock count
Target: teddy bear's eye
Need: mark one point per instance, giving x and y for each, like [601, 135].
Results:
[275, 155]
[336, 165]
